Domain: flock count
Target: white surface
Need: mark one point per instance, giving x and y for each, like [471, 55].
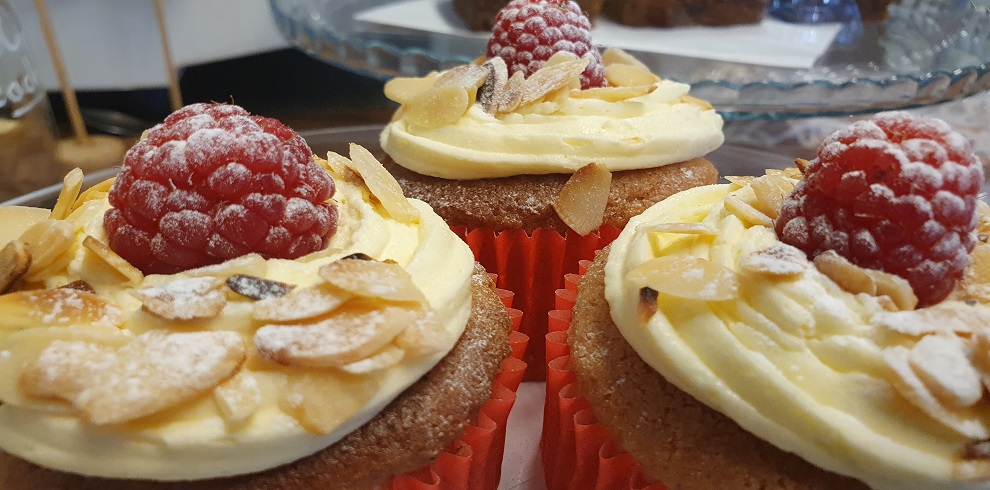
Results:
[521, 465]
[114, 44]
[770, 42]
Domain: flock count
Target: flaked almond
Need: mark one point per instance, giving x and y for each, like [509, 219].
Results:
[741, 180]
[382, 185]
[913, 389]
[769, 196]
[794, 172]
[895, 287]
[780, 260]
[132, 275]
[184, 299]
[468, 77]
[301, 304]
[389, 356]
[847, 275]
[746, 212]
[155, 371]
[679, 228]
[699, 103]
[647, 306]
[56, 307]
[622, 75]
[14, 263]
[582, 201]
[550, 78]
[22, 348]
[686, 277]
[79, 285]
[935, 319]
[404, 90]
[614, 94]
[492, 93]
[802, 165]
[370, 278]
[512, 96]
[98, 191]
[71, 185]
[977, 450]
[257, 288]
[251, 264]
[342, 338]
[322, 401]
[941, 363]
[424, 335]
[238, 398]
[439, 106]
[47, 242]
[616, 56]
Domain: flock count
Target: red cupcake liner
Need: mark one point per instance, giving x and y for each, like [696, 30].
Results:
[577, 451]
[533, 266]
[474, 460]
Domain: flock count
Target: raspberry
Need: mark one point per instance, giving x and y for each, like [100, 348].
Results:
[212, 183]
[528, 32]
[896, 193]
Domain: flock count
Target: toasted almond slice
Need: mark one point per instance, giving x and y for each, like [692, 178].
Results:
[801, 164]
[934, 319]
[741, 180]
[303, 303]
[894, 287]
[512, 96]
[907, 383]
[551, 78]
[679, 228]
[382, 185]
[971, 470]
[621, 75]
[337, 163]
[257, 288]
[613, 94]
[184, 299]
[686, 277]
[155, 371]
[981, 355]
[98, 191]
[582, 201]
[374, 279]
[404, 90]
[321, 401]
[699, 103]
[780, 260]
[20, 349]
[46, 242]
[941, 363]
[251, 264]
[769, 197]
[238, 398]
[492, 92]
[847, 275]
[616, 56]
[14, 263]
[56, 307]
[71, 185]
[131, 274]
[389, 356]
[344, 337]
[468, 77]
[439, 106]
[79, 285]
[424, 336]
[746, 212]
[647, 305]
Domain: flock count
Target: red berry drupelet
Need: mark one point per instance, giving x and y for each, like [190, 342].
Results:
[212, 183]
[528, 32]
[895, 193]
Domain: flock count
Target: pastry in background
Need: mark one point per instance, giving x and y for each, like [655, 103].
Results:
[540, 152]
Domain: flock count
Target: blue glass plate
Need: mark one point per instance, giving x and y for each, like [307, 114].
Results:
[926, 52]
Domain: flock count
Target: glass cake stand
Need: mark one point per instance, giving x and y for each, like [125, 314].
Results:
[926, 52]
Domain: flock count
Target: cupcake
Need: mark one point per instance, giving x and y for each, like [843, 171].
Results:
[824, 330]
[231, 312]
[537, 164]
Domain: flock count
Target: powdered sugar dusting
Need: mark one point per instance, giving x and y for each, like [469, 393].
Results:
[184, 299]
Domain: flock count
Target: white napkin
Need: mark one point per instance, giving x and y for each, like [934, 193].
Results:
[770, 43]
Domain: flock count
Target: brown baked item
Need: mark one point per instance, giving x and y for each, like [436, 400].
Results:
[404, 437]
[525, 202]
[701, 448]
[676, 13]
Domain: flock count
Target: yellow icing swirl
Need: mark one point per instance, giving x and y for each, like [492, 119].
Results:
[559, 136]
[798, 362]
[193, 441]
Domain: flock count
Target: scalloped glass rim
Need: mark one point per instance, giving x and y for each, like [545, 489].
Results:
[920, 31]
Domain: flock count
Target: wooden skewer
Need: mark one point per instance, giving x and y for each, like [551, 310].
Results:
[174, 95]
[71, 104]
